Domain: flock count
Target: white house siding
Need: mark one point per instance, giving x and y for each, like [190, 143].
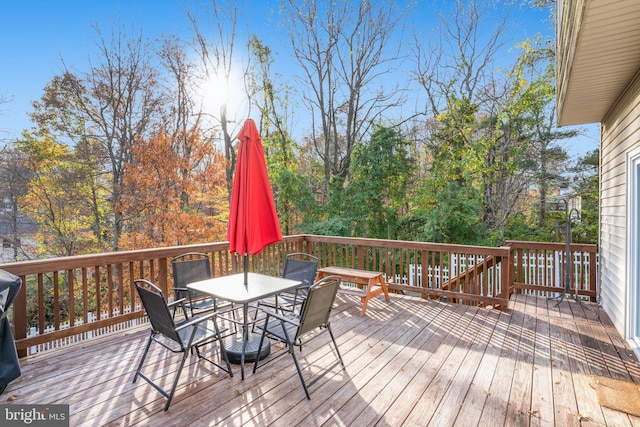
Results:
[620, 135]
[598, 43]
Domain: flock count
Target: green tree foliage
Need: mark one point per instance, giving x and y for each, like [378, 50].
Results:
[343, 50]
[455, 216]
[291, 188]
[448, 198]
[534, 74]
[587, 188]
[453, 154]
[508, 141]
[381, 173]
[333, 219]
[496, 151]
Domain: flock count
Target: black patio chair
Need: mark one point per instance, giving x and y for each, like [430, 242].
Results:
[298, 266]
[303, 267]
[188, 268]
[184, 337]
[312, 320]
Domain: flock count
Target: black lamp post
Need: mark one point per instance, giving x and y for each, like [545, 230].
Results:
[569, 215]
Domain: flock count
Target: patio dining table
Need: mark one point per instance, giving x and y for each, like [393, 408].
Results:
[232, 288]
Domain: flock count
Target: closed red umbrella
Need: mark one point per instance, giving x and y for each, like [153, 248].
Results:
[253, 221]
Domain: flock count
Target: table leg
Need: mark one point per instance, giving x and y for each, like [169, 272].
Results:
[385, 289]
[245, 337]
[377, 281]
[365, 302]
[368, 296]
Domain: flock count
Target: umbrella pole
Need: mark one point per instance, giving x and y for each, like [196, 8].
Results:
[246, 268]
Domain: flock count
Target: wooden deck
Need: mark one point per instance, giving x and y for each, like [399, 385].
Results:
[410, 362]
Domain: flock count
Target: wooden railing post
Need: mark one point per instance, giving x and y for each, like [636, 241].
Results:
[360, 256]
[507, 275]
[163, 276]
[593, 281]
[20, 315]
[72, 303]
[517, 274]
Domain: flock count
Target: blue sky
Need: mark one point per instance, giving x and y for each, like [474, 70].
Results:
[36, 34]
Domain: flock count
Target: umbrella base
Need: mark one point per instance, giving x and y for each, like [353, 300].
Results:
[233, 345]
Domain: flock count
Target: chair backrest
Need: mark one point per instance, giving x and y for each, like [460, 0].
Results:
[302, 267]
[157, 309]
[188, 268]
[317, 307]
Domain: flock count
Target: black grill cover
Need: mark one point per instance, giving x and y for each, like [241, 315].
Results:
[9, 366]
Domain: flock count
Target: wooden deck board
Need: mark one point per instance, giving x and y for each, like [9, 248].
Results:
[473, 405]
[382, 392]
[368, 364]
[430, 359]
[408, 362]
[480, 332]
[456, 347]
[495, 409]
[433, 393]
[519, 407]
[588, 408]
[541, 412]
[338, 388]
[565, 405]
[594, 364]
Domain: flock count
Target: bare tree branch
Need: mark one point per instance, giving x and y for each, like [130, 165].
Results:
[344, 50]
[219, 61]
[458, 63]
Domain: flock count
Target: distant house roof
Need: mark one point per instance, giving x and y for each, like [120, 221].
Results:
[26, 225]
[598, 55]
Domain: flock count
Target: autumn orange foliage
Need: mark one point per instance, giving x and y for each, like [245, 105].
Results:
[175, 192]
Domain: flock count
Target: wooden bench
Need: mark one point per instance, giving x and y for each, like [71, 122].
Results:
[372, 280]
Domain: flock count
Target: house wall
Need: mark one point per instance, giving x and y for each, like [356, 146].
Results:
[620, 135]
[27, 248]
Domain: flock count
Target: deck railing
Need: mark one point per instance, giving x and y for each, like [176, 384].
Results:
[541, 268]
[65, 300]
[457, 273]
